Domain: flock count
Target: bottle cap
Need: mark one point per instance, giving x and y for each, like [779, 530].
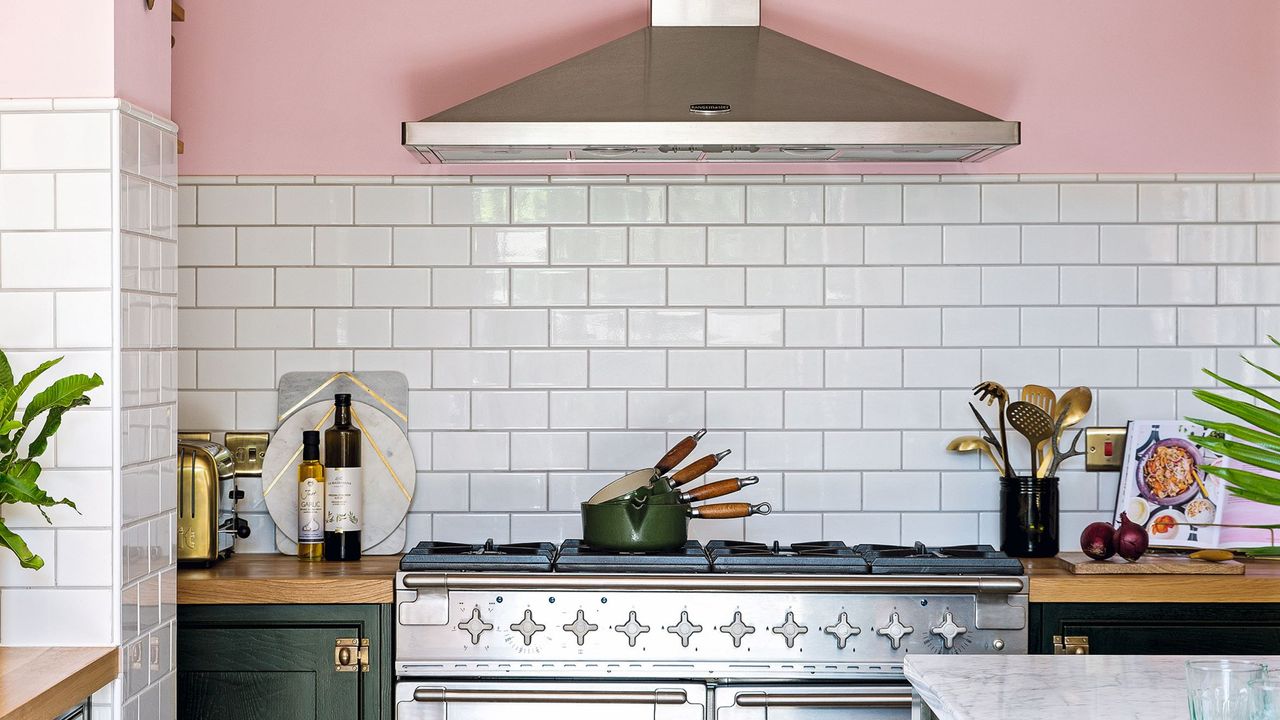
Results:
[310, 437]
[310, 445]
[342, 400]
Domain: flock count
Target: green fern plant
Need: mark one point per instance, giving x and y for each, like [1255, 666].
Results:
[1257, 443]
[19, 469]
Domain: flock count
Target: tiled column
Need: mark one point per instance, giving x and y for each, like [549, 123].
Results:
[87, 271]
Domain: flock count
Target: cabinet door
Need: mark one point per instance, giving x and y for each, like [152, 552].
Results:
[259, 662]
[1160, 628]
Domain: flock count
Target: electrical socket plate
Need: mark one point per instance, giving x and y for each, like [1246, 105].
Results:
[1104, 449]
[248, 450]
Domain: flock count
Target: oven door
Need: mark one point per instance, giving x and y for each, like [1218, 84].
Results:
[869, 701]
[434, 700]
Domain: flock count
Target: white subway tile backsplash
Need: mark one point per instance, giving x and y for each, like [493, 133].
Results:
[236, 205]
[509, 328]
[1059, 326]
[55, 141]
[864, 204]
[744, 328]
[470, 368]
[784, 368]
[668, 245]
[1134, 244]
[903, 245]
[628, 204]
[1177, 202]
[981, 244]
[265, 245]
[349, 246]
[75, 259]
[588, 246]
[902, 327]
[470, 205]
[980, 327]
[942, 285]
[863, 368]
[1249, 202]
[431, 328]
[1098, 202]
[431, 246]
[1059, 244]
[745, 246]
[1098, 285]
[1217, 243]
[583, 328]
[925, 203]
[352, 328]
[377, 205]
[666, 328]
[1181, 285]
[702, 204]
[823, 327]
[392, 287]
[509, 246]
[792, 204]
[746, 409]
[789, 286]
[206, 246]
[469, 287]
[542, 205]
[549, 286]
[1019, 202]
[627, 286]
[307, 287]
[864, 286]
[831, 245]
[1022, 285]
[314, 205]
[27, 202]
[1175, 367]
[1218, 326]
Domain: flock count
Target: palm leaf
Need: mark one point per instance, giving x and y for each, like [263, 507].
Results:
[52, 422]
[1258, 417]
[1257, 437]
[9, 403]
[1249, 485]
[1261, 369]
[6, 372]
[1245, 453]
[62, 393]
[1258, 394]
[11, 540]
[16, 489]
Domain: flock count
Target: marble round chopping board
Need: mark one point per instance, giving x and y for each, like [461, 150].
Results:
[389, 475]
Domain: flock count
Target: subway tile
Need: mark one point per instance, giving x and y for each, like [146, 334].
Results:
[706, 368]
[353, 246]
[901, 491]
[56, 616]
[470, 205]
[823, 492]
[1099, 285]
[628, 204]
[235, 369]
[703, 286]
[666, 328]
[548, 286]
[83, 199]
[1059, 326]
[1021, 366]
[269, 328]
[353, 328]
[442, 492]
[434, 328]
[746, 409]
[1180, 285]
[234, 287]
[267, 245]
[1019, 203]
[1175, 367]
[236, 205]
[1059, 244]
[415, 364]
[470, 368]
[940, 203]
[863, 368]
[1176, 202]
[1137, 326]
[207, 328]
[784, 286]
[791, 204]
[830, 245]
[392, 287]
[902, 327]
[83, 319]
[314, 205]
[981, 244]
[591, 409]
[439, 410]
[1139, 244]
[583, 328]
[627, 368]
[744, 328]
[27, 201]
[204, 410]
[860, 286]
[508, 410]
[942, 285]
[900, 409]
[665, 409]
[1121, 405]
[1099, 202]
[1099, 367]
[936, 368]
[625, 451]
[589, 246]
[702, 204]
[307, 287]
[1217, 244]
[508, 492]
[823, 327]
[394, 205]
[1216, 326]
[469, 287]
[549, 451]
[471, 527]
[1249, 202]
[823, 409]
[862, 450]
[55, 141]
[185, 205]
[864, 204]
[784, 368]
[546, 205]
[74, 259]
[903, 245]
[980, 327]
[1020, 285]
[549, 368]
[509, 328]
[940, 528]
[668, 245]
[627, 287]
[431, 246]
[784, 450]
[509, 246]
[472, 451]
[745, 246]
[1249, 285]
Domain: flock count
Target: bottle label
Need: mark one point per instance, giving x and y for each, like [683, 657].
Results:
[310, 512]
[343, 500]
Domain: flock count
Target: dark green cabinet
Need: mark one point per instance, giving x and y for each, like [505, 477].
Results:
[1159, 628]
[276, 662]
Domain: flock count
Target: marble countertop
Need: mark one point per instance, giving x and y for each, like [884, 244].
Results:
[1032, 687]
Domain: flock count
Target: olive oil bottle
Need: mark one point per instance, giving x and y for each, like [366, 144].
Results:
[310, 499]
[343, 485]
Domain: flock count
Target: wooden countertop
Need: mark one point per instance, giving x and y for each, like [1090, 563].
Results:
[284, 580]
[41, 683]
[1051, 583]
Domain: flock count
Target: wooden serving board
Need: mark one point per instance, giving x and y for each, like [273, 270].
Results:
[1081, 564]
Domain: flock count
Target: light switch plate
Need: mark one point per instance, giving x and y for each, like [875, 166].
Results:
[1104, 449]
[248, 450]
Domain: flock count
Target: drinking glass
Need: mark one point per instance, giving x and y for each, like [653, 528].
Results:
[1264, 696]
[1219, 689]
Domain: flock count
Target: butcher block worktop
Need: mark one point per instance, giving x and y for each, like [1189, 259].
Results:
[41, 683]
[284, 580]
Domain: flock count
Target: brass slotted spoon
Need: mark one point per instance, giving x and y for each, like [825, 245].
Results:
[1034, 424]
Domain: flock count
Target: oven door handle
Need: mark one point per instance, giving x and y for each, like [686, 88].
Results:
[818, 700]
[618, 697]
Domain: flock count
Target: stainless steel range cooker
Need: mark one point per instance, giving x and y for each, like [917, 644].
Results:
[729, 631]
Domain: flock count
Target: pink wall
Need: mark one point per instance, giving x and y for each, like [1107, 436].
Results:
[56, 49]
[321, 86]
[143, 59]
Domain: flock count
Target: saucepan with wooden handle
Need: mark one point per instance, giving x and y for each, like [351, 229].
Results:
[648, 527]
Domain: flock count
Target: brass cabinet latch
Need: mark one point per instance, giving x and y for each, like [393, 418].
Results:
[1071, 645]
[351, 655]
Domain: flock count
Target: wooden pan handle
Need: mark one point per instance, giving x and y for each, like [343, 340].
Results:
[725, 511]
[696, 469]
[679, 452]
[717, 488]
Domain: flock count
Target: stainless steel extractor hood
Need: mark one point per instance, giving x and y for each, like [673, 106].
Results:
[706, 83]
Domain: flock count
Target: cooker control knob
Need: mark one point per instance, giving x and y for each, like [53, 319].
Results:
[527, 627]
[475, 625]
[895, 631]
[580, 627]
[790, 630]
[684, 628]
[842, 630]
[633, 629]
[738, 629]
[948, 630]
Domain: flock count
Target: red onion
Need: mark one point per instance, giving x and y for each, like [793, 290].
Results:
[1098, 540]
[1130, 539]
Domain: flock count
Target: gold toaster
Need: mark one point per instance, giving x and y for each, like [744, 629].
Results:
[207, 521]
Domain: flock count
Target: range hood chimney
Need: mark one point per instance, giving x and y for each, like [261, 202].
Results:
[705, 82]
